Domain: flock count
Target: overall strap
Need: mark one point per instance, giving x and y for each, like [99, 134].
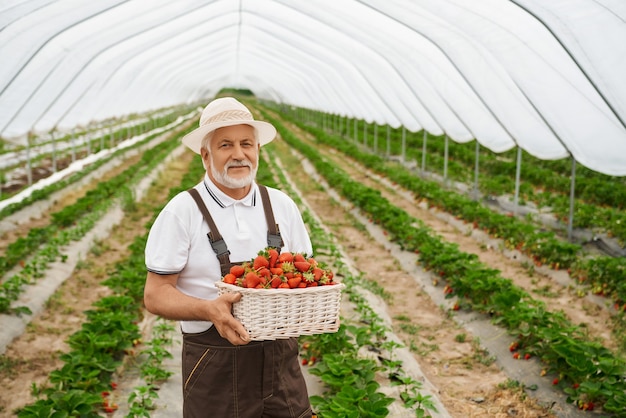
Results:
[215, 238]
[273, 232]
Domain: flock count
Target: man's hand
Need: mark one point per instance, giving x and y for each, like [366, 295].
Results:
[225, 323]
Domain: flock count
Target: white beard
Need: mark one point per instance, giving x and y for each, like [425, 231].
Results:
[234, 183]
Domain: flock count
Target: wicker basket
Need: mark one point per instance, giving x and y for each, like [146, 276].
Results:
[270, 314]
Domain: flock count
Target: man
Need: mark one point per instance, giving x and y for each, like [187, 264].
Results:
[224, 373]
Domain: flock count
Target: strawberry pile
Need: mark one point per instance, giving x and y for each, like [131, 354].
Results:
[287, 270]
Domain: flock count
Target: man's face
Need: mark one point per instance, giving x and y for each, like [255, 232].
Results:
[233, 156]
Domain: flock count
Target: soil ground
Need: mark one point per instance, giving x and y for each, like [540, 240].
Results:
[470, 383]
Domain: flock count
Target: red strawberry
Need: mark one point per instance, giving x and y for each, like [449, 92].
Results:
[252, 280]
[298, 257]
[275, 282]
[317, 273]
[229, 278]
[285, 257]
[294, 282]
[302, 265]
[284, 285]
[260, 261]
[237, 270]
[327, 278]
[276, 271]
[273, 256]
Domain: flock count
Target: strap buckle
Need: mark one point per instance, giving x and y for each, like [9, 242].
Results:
[218, 246]
[274, 240]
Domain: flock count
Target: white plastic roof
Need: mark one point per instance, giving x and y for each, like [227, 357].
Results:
[548, 76]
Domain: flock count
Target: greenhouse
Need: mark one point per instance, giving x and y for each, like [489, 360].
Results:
[459, 169]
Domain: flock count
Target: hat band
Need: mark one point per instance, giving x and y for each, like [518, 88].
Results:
[229, 116]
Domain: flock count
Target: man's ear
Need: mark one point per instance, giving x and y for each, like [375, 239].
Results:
[205, 156]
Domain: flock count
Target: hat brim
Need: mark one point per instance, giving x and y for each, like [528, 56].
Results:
[266, 132]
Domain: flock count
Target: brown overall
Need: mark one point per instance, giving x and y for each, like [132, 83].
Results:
[261, 379]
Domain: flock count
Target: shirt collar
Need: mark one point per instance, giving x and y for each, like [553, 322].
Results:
[223, 200]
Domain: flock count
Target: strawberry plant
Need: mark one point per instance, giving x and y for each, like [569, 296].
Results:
[73, 403]
[141, 401]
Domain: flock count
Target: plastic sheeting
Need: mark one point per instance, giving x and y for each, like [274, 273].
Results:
[545, 76]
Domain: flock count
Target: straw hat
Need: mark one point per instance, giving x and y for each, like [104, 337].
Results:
[227, 111]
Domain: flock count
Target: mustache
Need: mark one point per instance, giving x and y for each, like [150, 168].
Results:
[238, 163]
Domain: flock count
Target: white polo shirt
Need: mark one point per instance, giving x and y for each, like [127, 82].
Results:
[178, 242]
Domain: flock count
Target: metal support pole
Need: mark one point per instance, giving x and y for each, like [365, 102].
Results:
[365, 134]
[445, 161]
[72, 141]
[518, 171]
[424, 155]
[375, 138]
[54, 152]
[29, 163]
[403, 144]
[476, 171]
[388, 140]
[572, 195]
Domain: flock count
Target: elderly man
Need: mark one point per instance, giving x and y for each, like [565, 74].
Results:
[224, 373]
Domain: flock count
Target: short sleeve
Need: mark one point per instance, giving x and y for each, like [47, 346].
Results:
[167, 247]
